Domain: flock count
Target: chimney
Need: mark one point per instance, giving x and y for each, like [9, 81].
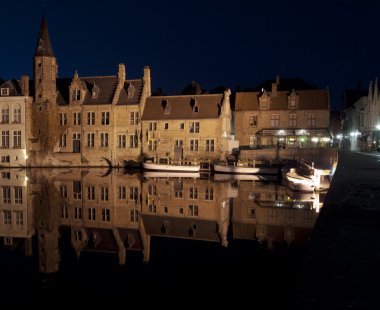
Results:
[121, 74]
[274, 90]
[25, 85]
[147, 81]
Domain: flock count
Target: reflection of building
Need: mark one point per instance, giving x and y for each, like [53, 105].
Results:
[16, 219]
[286, 113]
[186, 208]
[271, 213]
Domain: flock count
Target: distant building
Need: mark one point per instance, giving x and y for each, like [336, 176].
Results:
[284, 113]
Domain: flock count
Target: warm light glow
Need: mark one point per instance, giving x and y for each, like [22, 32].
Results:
[314, 139]
[340, 136]
[281, 132]
[325, 139]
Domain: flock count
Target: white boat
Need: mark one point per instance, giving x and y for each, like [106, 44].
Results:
[149, 165]
[244, 177]
[240, 168]
[298, 182]
[170, 174]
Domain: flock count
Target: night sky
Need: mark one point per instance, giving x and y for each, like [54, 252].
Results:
[332, 43]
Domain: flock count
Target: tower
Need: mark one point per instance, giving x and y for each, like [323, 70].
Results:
[45, 67]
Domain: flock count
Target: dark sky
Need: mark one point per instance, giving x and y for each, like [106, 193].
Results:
[332, 43]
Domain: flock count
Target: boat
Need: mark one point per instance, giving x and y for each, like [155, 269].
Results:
[249, 168]
[244, 177]
[300, 182]
[182, 166]
[171, 174]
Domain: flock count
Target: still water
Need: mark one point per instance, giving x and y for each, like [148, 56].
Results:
[95, 235]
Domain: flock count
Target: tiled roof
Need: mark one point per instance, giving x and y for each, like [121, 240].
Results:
[107, 87]
[308, 99]
[14, 87]
[179, 227]
[181, 107]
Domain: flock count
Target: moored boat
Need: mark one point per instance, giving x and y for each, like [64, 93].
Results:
[241, 168]
[171, 174]
[183, 166]
[299, 182]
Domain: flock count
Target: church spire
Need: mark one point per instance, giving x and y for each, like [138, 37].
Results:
[44, 47]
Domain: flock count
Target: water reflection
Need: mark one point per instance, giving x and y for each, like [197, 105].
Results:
[118, 213]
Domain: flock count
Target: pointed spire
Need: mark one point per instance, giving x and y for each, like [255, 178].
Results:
[44, 47]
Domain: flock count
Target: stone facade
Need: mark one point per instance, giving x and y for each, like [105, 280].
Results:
[285, 116]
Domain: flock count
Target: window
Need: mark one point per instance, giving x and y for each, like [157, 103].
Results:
[292, 104]
[6, 194]
[76, 95]
[90, 139]
[121, 141]
[19, 218]
[121, 192]
[272, 215]
[78, 213]
[77, 190]
[133, 141]
[194, 127]
[193, 210]
[133, 193]
[134, 118]
[292, 120]
[17, 115]
[134, 216]
[152, 126]
[166, 210]
[152, 208]
[178, 143]
[289, 216]
[193, 145]
[166, 126]
[62, 119]
[17, 139]
[18, 195]
[95, 91]
[311, 120]
[104, 139]
[251, 213]
[63, 190]
[180, 210]
[274, 121]
[5, 91]
[76, 117]
[104, 194]
[182, 126]
[5, 159]
[6, 175]
[193, 193]
[105, 118]
[264, 104]
[253, 121]
[131, 90]
[196, 109]
[209, 145]
[152, 145]
[62, 140]
[90, 193]
[7, 217]
[209, 193]
[152, 190]
[5, 115]
[91, 214]
[178, 194]
[252, 141]
[64, 212]
[106, 215]
[90, 118]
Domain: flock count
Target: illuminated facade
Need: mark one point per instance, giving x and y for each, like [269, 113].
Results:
[283, 113]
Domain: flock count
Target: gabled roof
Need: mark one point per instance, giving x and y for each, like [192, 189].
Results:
[308, 100]
[44, 47]
[181, 107]
[107, 88]
[14, 87]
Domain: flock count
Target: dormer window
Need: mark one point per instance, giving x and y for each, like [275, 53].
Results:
[5, 91]
[95, 91]
[264, 101]
[77, 95]
[194, 105]
[167, 107]
[293, 98]
[131, 91]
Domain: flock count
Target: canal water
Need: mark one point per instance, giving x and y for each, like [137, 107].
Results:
[110, 236]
